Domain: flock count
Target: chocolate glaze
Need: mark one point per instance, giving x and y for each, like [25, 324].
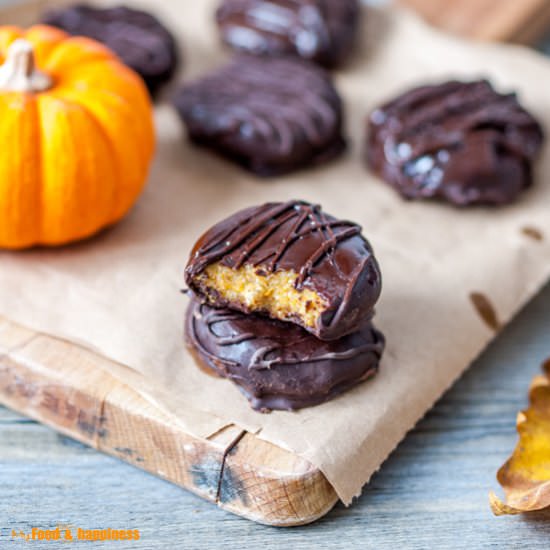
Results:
[137, 37]
[486, 310]
[459, 141]
[318, 30]
[533, 233]
[278, 365]
[270, 115]
[330, 256]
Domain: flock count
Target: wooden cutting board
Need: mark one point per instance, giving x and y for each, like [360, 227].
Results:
[67, 388]
[522, 21]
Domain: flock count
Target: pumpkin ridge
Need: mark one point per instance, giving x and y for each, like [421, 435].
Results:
[8, 35]
[106, 138]
[59, 62]
[135, 121]
[71, 80]
[145, 152]
[39, 216]
[18, 230]
[74, 202]
[144, 110]
[42, 38]
[134, 126]
[124, 73]
[127, 80]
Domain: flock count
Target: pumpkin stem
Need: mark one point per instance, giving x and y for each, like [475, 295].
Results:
[19, 73]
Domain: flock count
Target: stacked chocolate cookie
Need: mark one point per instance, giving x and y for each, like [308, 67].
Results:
[282, 300]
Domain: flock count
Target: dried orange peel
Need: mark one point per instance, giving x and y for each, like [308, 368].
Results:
[525, 477]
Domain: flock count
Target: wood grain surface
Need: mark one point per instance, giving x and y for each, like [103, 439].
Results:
[523, 21]
[431, 493]
[72, 390]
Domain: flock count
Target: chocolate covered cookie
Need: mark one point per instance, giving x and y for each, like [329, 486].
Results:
[318, 30]
[138, 38]
[278, 365]
[292, 262]
[269, 115]
[458, 141]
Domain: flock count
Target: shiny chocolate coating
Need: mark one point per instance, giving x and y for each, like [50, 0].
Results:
[278, 365]
[270, 115]
[458, 141]
[329, 256]
[138, 38]
[322, 31]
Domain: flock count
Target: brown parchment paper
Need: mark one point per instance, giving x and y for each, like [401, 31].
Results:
[119, 292]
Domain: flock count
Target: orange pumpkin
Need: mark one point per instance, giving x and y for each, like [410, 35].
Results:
[76, 137]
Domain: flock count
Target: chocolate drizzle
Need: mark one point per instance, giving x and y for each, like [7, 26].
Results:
[319, 30]
[255, 230]
[274, 347]
[276, 364]
[329, 256]
[533, 233]
[460, 141]
[272, 116]
[486, 310]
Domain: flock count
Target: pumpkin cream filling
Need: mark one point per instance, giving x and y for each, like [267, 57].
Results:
[273, 293]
